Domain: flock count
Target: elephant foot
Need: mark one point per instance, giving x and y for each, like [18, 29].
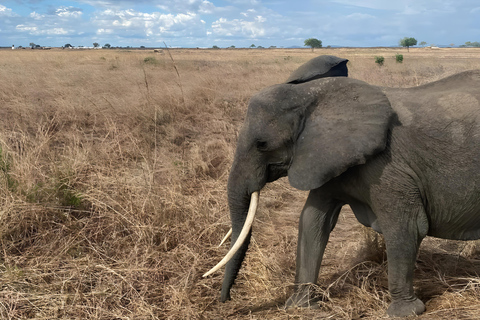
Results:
[304, 297]
[402, 308]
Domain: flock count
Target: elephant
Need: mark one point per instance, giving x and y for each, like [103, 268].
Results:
[406, 160]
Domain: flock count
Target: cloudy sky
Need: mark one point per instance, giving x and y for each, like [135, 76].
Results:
[204, 23]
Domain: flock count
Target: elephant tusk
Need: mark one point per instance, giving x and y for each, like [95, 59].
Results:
[243, 234]
[229, 233]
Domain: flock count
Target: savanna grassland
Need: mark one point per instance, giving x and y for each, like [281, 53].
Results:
[113, 170]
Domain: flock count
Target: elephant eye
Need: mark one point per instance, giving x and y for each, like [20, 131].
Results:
[261, 145]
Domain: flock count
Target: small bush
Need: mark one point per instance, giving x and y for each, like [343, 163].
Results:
[379, 60]
[399, 58]
[150, 60]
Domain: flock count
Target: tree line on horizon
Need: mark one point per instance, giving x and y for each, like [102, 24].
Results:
[313, 43]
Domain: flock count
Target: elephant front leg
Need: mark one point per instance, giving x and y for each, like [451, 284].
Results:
[317, 220]
[402, 240]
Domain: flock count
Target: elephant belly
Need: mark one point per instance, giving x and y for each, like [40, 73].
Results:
[459, 223]
[453, 207]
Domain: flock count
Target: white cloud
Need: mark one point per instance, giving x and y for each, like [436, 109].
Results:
[374, 4]
[177, 6]
[260, 19]
[403, 6]
[36, 16]
[360, 16]
[6, 12]
[25, 28]
[104, 31]
[130, 22]
[68, 12]
[239, 27]
[57, 31]
[34, 30]
[206, 7]
[61, 21]
[244, 2]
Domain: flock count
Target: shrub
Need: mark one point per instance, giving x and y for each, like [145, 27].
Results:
[379, 60]
[399, 58]
[150, 60]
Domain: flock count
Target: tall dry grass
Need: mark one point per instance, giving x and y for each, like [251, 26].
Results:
[113, 169]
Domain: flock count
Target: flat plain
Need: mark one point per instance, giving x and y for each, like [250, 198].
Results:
[113, 170]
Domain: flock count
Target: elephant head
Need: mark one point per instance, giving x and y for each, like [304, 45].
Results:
[311, 128]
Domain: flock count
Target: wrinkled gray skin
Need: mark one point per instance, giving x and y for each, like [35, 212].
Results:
[407, 161]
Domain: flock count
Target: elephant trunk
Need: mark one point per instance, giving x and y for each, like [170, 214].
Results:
[243, 192]
[241, 234]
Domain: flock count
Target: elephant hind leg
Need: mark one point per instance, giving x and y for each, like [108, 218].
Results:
[319, 217]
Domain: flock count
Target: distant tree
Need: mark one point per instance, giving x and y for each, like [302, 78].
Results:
[408, 42]
[142, 47]
[423, 43]
[313, 43]
[32, 45]
[107, 45]
[252, 46]
[96, 45]
[272, 47]
[475, 44]
[68, 45]
[232, 47]
[452, 44]
[215, 47]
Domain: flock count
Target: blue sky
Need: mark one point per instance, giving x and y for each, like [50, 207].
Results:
[204, 23]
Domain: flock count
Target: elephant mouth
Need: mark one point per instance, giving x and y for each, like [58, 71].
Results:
[276, 171]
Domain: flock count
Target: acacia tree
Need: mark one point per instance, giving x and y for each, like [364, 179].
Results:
[408, 42]
[313, 43]
[475, 44]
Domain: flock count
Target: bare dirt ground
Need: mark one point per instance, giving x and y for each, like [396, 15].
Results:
[113, 167]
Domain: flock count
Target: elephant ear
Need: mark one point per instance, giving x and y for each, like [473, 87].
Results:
[347, 124]
[319, 67]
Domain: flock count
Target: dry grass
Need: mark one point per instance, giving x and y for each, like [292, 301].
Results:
[112, 188]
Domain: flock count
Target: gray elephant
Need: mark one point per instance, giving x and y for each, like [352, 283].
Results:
[407, 161]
